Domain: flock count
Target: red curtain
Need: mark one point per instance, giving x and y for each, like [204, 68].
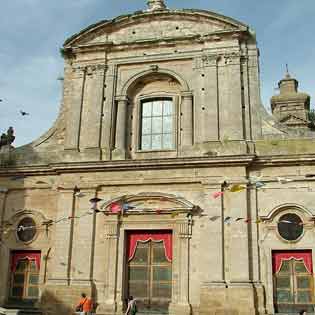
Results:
[279, 257]
[144, 236]
[22, 255]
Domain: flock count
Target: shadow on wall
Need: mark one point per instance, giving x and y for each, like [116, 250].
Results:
[50, 304]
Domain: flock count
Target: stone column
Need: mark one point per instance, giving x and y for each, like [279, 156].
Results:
[187, 119]
[73, 103]
[119, 152]
[83, 240]
[106, 271]
[4, 253]
[61, 256]
[180, 302]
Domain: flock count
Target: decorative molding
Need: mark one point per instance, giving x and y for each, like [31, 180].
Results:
[206, 60]
[80, 70]
[184, 229]
[111, 231]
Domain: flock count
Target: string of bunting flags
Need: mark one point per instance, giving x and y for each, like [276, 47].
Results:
[229, 220]
[120, 207]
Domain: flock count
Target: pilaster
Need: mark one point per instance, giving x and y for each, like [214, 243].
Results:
[74, 110]
[4, 252]
[180, 299]
[187, 120]
[108, 131]
[108, 274]
[61, 258]
[210, 106]
[83, 240]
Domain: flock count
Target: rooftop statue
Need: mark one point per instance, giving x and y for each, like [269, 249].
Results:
[156, 5]
[8, 138]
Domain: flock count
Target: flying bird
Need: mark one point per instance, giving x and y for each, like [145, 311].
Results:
[23, 113]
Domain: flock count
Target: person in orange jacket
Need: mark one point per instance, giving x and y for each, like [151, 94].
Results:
[85, 305]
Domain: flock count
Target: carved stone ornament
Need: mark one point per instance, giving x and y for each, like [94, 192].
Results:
[88, 69]
[206, 61]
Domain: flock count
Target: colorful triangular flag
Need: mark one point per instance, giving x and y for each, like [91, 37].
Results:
[217, 194]
[237, 188]
[284, 180]
[214, 218]
[239, 219]
[228, 220]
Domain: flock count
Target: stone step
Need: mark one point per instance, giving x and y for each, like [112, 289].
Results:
[17, 311]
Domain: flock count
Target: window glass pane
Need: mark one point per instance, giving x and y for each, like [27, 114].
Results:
[141, 255]
[34, 279]
[138, 273]
[146, 126]
[168, 141]
[17, 292]
[303, 297]
[18, 278]
[146, 109]
[300, 267]
[157, 125]
[162, 274]
[168, 108]
[22, 265]
[285, 267]
[283, 282]
[167, 124]
[138, 289]
[284, 296]
[159, 255]
[26, 230]
[290, 226]
[156, 142]
[157, 108]
[32, 292]
[162, 290]
[33, 265]
[146, 142]
[303, 282]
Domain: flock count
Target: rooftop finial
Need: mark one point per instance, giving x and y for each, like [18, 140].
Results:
[154, 5]
[287, 75]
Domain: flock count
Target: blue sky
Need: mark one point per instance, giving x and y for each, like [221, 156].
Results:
[32, 31]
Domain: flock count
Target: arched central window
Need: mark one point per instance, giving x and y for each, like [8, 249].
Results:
[157, 124]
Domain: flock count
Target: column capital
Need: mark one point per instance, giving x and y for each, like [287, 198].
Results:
[122, 98]
[187, 94]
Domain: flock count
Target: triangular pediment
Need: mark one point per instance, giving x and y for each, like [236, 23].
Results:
[145, 26]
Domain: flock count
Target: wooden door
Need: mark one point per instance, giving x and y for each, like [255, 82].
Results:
[24, 281]
[293, 287]
[150, 277]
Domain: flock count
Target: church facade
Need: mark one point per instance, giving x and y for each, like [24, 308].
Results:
[163, 177]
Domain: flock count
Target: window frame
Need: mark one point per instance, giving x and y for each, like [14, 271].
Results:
[280, 215]
[152, 97]
[36, 233]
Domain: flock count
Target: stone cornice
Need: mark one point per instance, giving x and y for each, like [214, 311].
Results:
[163, 41]
[99, 166]
[157, 164]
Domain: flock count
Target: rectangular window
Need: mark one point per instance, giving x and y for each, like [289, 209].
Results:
[157, 124]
